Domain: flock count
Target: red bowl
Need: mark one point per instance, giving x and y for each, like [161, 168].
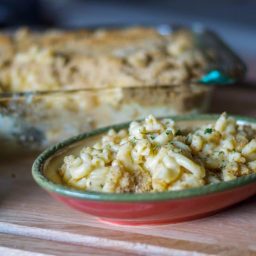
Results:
[144, 208]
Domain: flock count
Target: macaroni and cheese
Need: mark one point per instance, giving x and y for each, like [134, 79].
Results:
[154, 155]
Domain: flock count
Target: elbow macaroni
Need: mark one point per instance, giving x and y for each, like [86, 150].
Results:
[154, 156]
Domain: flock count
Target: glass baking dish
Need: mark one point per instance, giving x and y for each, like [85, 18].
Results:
[35, 120]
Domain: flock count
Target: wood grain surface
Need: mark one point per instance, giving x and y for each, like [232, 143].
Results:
[32, 223]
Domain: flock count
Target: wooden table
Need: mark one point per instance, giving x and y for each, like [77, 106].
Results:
[32, 223]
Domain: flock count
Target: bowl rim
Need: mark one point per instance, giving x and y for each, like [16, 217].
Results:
[66, 191]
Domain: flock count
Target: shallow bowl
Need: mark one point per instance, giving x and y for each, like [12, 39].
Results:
[143, 208]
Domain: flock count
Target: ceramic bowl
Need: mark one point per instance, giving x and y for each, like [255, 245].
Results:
[144, 208]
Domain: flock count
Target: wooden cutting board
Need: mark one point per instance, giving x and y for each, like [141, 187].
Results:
[32, 223]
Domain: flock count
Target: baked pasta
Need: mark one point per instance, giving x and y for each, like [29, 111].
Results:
[95, 78]
[62, 60]
[155, 155]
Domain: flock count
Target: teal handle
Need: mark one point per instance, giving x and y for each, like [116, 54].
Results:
[216, 77]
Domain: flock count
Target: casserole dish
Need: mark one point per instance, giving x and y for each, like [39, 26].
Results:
[41, 116]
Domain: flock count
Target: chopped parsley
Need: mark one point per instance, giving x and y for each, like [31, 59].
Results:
[98, 149]
[168, 132]
[208, 131]
[178, 133]
[223, 164]
[152, 137]
[108, 146]
[133, 140]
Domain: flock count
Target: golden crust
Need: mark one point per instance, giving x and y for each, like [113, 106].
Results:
[102, 58]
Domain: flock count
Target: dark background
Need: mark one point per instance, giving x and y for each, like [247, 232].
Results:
[234, 20]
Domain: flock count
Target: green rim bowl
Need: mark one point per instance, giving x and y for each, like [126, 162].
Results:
[143, 208]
